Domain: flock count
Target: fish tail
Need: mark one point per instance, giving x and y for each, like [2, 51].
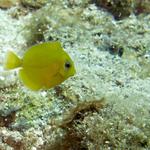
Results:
[12, 61]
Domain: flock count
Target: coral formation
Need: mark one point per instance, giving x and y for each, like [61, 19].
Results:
[121, 9]
[112, 58]
[142, 6]
[73, 136]
[118, 8]
[8, 3]
[34, 3]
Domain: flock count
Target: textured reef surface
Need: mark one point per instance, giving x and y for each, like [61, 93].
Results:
[106, 105]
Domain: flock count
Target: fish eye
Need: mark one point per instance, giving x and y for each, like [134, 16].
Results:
[67, 65]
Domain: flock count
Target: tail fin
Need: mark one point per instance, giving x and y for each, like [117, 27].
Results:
[12, 61]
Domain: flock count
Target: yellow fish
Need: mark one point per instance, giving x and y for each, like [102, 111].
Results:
[43, 65]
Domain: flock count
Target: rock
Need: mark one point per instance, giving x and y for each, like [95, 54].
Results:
[8, 3]
[118, 8]
[34, 3]
[122, 9]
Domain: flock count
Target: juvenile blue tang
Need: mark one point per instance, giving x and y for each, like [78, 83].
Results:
[43, 66]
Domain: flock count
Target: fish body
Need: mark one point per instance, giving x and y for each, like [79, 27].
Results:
[43, 66]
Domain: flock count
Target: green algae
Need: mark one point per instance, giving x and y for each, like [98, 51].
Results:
[29, 106]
